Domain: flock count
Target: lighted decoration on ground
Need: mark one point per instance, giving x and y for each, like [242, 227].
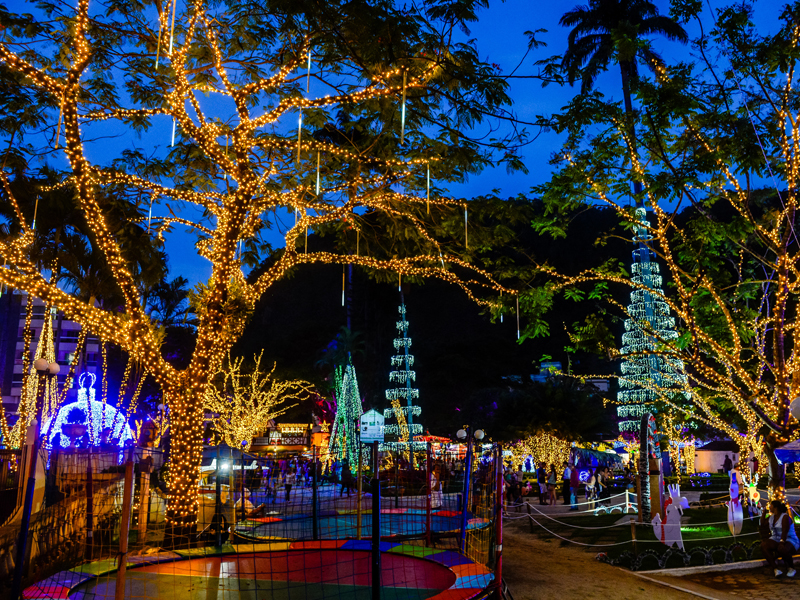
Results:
[98, 417]
[669, 532]
[734, 507]
[343, 442]
[646, 373]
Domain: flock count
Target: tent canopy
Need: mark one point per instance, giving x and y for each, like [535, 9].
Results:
[788, 453]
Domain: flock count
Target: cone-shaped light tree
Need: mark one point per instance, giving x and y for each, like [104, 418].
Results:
[402, 396]
[344, 442]
[646, 375]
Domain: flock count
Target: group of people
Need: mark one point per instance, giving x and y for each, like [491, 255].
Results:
[569, 482]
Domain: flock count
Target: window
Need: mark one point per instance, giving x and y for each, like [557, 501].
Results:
[16, 379]
[69, 336]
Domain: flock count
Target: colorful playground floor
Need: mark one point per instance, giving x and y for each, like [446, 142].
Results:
[283, 571]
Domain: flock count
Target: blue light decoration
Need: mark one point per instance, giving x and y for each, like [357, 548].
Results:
[647, 375]
[99, 416]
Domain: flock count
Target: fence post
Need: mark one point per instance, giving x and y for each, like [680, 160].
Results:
[498, 515]
[376, 526]
[89, 506]
[124, 528]
[397, 479]
[359, 488]
[314, 513]
[465, 502]
[429, 504]
[633, 536]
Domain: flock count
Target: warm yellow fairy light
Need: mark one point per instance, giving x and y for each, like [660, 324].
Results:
[234, 210]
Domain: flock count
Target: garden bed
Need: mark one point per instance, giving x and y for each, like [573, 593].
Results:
[705, 533]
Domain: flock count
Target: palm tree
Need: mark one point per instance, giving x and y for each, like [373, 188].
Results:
[608, 29]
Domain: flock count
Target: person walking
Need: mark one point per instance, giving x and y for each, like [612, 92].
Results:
[347, 479]
[782, 541]
[574, 484]
[727, 465]
[541, 479]
[288, 482]
[552, 483]
[565, 482]
[437, 498]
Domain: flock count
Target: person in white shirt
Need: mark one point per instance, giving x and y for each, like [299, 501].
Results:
[565, 482]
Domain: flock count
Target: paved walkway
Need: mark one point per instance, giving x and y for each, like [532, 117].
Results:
[753, 584]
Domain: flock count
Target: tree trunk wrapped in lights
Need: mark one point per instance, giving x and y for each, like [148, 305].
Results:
[703, 140]
[229, 168]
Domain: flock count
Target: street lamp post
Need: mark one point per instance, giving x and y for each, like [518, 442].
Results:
[43, 368]
[462, 435]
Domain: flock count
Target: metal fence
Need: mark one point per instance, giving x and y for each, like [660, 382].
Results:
[399, 522]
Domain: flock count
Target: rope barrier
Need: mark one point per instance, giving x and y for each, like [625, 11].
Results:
[573, 541]
[726, 537]
[578, 526]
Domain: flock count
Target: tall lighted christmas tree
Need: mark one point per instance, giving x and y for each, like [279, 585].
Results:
[646, 374]
[343, 442]
[403, 410]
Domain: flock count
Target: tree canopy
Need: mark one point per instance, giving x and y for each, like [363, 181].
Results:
[717, 161]
[254, 117]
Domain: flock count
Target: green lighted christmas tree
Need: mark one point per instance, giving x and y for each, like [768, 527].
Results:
[646, 375]
[343, 442]
[402, 410]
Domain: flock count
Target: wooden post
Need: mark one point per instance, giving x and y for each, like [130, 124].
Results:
[633, 536]
[124, 528]
[144, 500]
[358, 499]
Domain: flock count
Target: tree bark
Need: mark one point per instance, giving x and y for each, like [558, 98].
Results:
[777, 471]
[625, 70]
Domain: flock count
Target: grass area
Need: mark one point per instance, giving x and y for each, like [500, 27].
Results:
[706, 529]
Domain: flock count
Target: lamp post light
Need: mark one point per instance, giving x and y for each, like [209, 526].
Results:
[462, 435]
[43, 368]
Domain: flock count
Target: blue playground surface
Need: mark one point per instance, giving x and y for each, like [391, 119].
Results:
[333, 525]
